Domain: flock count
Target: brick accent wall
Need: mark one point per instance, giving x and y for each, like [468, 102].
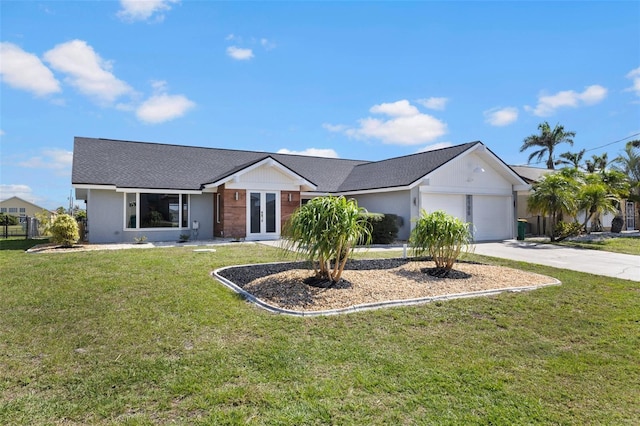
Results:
[233, 213]
[288, 207]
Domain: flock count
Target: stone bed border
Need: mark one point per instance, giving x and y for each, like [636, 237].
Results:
[364, 306]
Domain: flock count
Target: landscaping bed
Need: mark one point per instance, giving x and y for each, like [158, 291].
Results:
[282, 285]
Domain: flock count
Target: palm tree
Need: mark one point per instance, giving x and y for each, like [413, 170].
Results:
[600, 194]
[554, 195]
[598, 163]
[547, 140]
[571, 159]
[629, 164]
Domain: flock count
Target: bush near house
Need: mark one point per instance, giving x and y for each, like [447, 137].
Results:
[64, 231]
[443, 237]
[384, 227]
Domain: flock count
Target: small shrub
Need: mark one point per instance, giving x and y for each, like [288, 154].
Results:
[140, 240]
[8, 219]
[443, 237]
[384, 227]
[184, 237]
[64, 231]
[567, 229]
[616, 224]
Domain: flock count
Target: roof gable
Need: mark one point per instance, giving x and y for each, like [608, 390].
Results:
[401, 171]
[286, 174]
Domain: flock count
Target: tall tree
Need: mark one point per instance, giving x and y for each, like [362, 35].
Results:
[598, 163]
[629, 164]
[554, 195]
[601, 193]
[572, 159]
[547, 140]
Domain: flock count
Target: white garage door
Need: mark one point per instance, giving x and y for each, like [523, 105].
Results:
[492, 214]
[452, 204]
[492, 217]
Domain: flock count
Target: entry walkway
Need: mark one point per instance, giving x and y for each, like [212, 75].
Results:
[624, 266]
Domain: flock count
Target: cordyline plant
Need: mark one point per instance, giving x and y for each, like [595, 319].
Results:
[325, 231]
[443, 237]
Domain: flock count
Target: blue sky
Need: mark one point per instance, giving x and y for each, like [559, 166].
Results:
[361, 80]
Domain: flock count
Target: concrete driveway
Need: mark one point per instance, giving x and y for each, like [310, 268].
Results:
[597, 262]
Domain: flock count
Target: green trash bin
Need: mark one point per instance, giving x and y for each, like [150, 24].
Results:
[522, 228]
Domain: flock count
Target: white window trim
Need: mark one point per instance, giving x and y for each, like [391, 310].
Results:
[138, 228]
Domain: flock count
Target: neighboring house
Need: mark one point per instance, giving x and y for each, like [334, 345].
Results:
[22, 209]
[162, 191]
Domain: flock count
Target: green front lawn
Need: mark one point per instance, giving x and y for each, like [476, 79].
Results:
[630, 245]
[146, 336]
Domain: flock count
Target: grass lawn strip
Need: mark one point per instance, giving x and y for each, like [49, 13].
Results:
[145, 337]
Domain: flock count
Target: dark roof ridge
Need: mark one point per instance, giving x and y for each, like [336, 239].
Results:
[220, 149]
[426, 152]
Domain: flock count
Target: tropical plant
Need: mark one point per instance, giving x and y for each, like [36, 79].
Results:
[547, 141]
[8, 219]
[64, 231]
[44, 222]
[572, 159]
[325, 231]
[598, 163]
[629, 163]
[554, 195]
[442, 236]
[596, 198]
[566, 229]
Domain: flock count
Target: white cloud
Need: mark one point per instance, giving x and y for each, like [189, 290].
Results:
[501, 116]
[593, 94]
[407, 125]
[395, 109]
[23, 191]
[334, 128]
[87, 71]
[548, 104]
[434, 103]
[267, 44]
[312, 152]
[142, 10]
[634, 76]
[58, 160]
[163, 107]
[435, 146]
[239, 53]
[2, 132]
[25, 71]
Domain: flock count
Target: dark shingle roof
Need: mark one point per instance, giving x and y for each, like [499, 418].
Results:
[159, 166]
[400, 171]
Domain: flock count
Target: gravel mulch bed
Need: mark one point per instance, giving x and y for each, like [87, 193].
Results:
[372, 281]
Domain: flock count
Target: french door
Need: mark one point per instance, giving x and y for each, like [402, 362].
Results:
[263, 215]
